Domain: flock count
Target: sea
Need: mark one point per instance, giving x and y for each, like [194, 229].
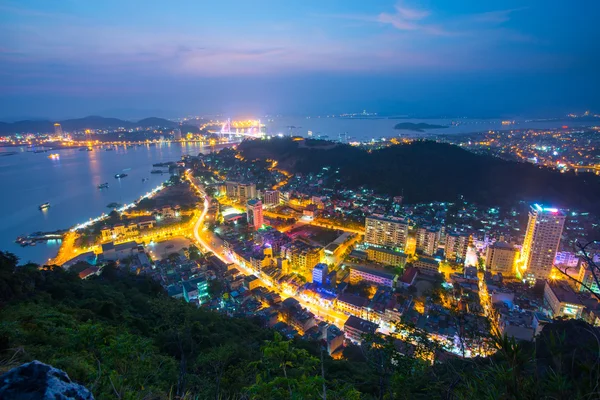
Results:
[69, 183]
[361, 128]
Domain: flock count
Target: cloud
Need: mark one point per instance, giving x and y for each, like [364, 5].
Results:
[497, 17]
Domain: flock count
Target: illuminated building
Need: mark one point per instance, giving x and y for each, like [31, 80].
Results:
[355, 328]
[456, 247]
[587, 278]
[389, 232]
[428, 265]
[386, 256]
[319, 273]
[254, 213]
[351, 304]
[427, 240]
[562, 300]
[502, 257]
[58, 130]
[540, 245]
[382, 278]
[303, 257]
[177, 133]
[241, 192]
[246, 191]
[271, 198]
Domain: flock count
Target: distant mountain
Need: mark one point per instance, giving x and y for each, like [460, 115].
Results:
[153, 121]
[427, 171]
[91, 122]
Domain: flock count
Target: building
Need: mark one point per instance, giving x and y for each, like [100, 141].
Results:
[389, 232]
[320, 272]
[456, 246]
[587, 279]
[254, 212]
[382, 278]
[351, 304]
[541, 242]
[502, 257]
[58, 130]
[355, 328]
[303, 257]
[428, 265]
[271, 198]
[386, 256]
[562, 300]
[177, 133]
[246, 191]
[427, 240]
[334, 338]
[408, 277]
[113, 252]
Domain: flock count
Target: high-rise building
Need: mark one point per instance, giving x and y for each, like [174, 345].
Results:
[389, 232]
[456, 246]
[502, 257]
[541, 242]
[427, 240]
[246, 191]
[271, 198]
[254, 212]
[58, 130]
[586, 277]
[320, 273]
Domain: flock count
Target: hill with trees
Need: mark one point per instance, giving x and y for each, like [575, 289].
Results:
[425, 171]
[122, 337]
[91, 122]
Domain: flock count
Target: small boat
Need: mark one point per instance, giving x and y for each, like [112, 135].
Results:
[145, 180]
[119, 176]
[157, 171]
[90, 149]
[40, 151]
[54, 156]
[109, 149]
[103, 185]
[44, 206]
[114, 205]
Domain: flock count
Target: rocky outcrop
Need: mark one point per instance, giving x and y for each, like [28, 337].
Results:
[36, 380]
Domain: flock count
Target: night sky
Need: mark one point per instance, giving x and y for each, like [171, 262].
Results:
[136, 58]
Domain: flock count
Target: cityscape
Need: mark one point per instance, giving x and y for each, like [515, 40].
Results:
[270, 237]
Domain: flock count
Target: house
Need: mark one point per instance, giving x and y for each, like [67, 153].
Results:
[113, 252]
[355, 328]
[408, 277]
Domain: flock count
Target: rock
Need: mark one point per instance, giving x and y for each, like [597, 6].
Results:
[36, 380]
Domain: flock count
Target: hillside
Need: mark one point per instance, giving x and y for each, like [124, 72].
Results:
[91, 122]
[122, 337]
[426, 171]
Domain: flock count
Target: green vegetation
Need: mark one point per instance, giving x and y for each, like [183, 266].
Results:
[122, 337]
[427, 171]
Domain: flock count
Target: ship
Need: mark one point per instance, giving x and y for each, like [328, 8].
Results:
[103, 185]
[157, 171]
[54, 156]
[90, 149]
[44, 206]
[119, 176]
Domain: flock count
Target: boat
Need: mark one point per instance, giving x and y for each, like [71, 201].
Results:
[82, 149]
[40, 151]
[119, 176]
[54, 156]
[145, 180]
[114, 205]
[44, 206]
[90, 149]
[109, 149]
[103, 185]
[157, 171]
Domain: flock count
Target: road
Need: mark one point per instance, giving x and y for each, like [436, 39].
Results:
[211, 243]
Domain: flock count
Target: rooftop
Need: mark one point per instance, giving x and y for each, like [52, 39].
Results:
[360, 324]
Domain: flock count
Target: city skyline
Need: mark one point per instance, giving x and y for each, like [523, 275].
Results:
[71, 59]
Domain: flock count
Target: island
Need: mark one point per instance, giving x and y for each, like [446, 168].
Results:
[420, 127]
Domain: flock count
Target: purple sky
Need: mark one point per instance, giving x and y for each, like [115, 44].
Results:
[66, 58]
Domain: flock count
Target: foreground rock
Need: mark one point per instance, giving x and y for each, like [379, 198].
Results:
[36, 380]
